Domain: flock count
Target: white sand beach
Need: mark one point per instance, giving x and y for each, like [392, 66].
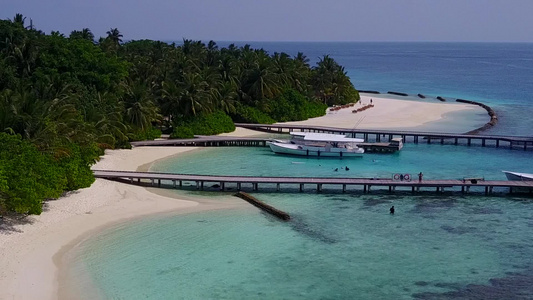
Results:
[31, 248]
[396, 114]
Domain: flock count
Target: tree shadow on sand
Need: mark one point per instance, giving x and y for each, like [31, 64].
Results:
[10, 222]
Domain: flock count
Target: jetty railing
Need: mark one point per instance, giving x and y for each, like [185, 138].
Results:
[219, 182]
[512, 142]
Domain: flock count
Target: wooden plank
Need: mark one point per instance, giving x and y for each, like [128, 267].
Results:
[263, 206]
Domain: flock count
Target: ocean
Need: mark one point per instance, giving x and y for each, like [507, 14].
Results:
[348, 246]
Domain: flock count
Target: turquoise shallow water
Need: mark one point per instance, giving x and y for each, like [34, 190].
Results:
[337, 246]
[435, 161]
[347, 246]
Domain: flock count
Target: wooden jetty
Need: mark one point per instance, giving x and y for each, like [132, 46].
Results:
[263, 206]
[171, 180]
[370, 135]
[219, 141]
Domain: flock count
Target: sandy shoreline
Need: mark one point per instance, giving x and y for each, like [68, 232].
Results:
[29, 247]
[414, 115]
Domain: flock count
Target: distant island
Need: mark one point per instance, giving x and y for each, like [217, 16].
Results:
[65, 99]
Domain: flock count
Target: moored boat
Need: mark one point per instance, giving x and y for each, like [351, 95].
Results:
[318, 144]
[515, 176]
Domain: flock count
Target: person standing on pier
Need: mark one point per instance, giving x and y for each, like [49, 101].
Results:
[420, 175]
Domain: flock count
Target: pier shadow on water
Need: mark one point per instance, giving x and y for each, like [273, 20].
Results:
[299, 224]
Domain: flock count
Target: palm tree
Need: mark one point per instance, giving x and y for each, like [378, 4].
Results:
[195, 96]
[225, 97]
[84, 34]
[262, 82]
[19, 19]
[170, 102]
[114, 36]
[107, 125]
[140, 109]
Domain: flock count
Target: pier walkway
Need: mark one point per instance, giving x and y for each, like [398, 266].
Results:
[369, 135]
[221, 141]
[171, 180]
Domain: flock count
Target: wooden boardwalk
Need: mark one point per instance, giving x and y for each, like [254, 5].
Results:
[513, 142]
[170, 180]
[206, 141]
[218, 141]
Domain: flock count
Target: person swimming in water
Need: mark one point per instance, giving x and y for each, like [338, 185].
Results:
[392, 210]
[347, 169]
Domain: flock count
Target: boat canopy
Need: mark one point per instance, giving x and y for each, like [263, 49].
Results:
[325, 137]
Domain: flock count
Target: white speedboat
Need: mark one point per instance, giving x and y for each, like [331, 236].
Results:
[515, 176]
[318, 144]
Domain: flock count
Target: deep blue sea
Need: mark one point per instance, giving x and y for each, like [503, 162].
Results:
[348, 246]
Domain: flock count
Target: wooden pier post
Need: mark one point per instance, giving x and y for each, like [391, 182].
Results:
[301, 187]
[256, 186]
[238, 186]
[278, 187]
[174, 183]
[344, 188]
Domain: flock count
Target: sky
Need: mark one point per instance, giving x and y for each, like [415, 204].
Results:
[285, 20]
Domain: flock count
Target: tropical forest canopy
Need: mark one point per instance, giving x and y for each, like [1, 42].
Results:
[64, 99]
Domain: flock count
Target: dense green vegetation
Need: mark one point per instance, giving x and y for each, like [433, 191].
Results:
[64, 99]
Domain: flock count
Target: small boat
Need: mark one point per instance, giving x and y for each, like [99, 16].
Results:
[515, 176]
[318, 144]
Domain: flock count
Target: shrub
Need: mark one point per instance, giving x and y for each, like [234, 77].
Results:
[248, 114]
[182, 132]
[293, 106]
[151, 133]
[205, 124]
